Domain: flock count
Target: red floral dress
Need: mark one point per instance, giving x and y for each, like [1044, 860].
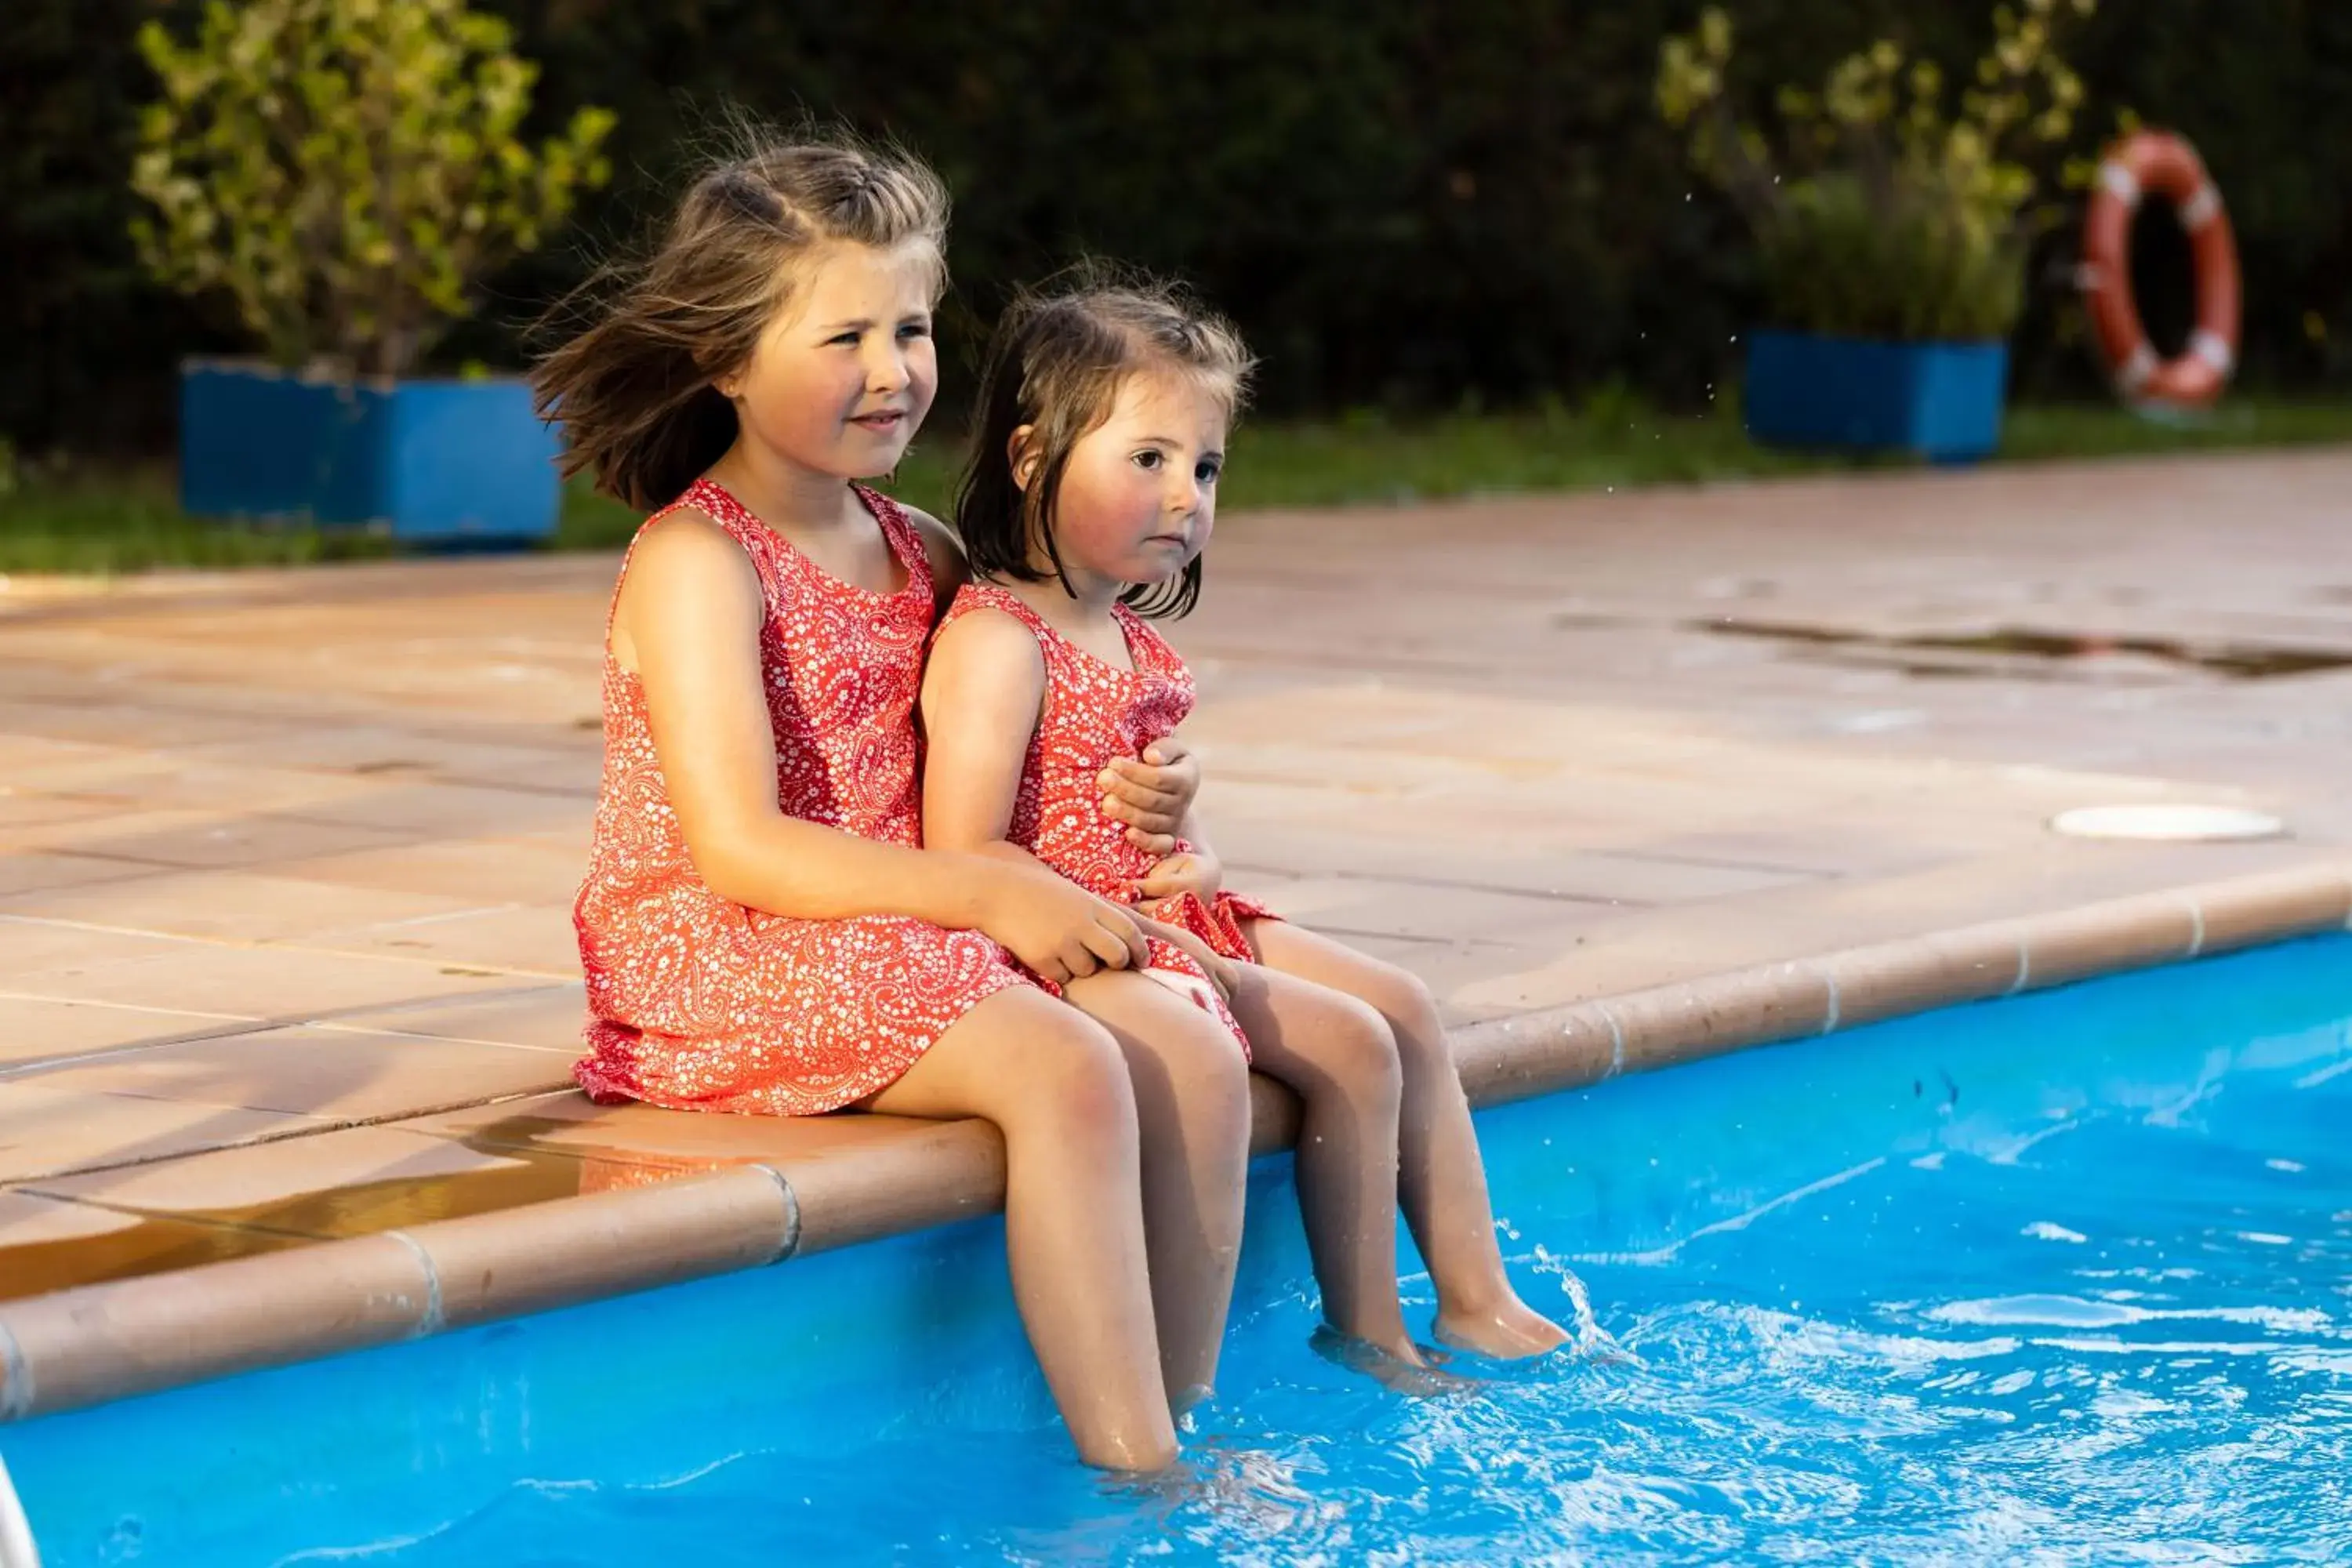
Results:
[1094, 713]
[700, 1003]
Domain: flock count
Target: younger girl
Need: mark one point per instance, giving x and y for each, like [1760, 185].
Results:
[760, 930]
[1092, 489]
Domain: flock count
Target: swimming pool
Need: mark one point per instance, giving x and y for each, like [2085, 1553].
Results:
[2061, 1278]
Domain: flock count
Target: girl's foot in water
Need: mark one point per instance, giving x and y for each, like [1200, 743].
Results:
[1510, 1331]
[1253, 1481]
[1407, 1371]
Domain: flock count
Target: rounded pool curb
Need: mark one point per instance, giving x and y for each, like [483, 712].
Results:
[97, 1342]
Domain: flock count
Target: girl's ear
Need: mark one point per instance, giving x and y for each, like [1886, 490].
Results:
[1021, 452]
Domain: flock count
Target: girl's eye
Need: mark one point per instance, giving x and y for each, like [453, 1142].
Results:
[849, 338]
[914, 330]
[1147, 459]
[1207, 473]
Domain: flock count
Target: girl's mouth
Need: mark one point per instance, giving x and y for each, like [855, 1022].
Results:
[889, 419]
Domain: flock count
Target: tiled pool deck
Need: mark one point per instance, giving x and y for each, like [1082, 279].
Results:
[287, 974]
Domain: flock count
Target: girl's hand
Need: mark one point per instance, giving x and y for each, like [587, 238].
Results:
[1214, 964]
[1194, 871]
[1153, 796]
[1061, 932]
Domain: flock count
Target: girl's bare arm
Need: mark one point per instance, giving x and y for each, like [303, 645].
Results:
[1148, 794]
[689, 623]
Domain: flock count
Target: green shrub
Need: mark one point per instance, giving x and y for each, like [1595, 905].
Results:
[347, 171]
[1884, 212]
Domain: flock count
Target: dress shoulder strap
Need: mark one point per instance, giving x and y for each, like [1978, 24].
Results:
[900, 533]
[1151, 651]
[993, 597]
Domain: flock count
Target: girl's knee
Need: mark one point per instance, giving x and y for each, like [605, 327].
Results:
[1358, 1048]
[1069, 1074]
[1402, 997]
[1210, 1076]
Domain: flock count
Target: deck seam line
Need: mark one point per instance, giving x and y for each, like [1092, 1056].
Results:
[1837, 1007]
[2024, 962]
[791, 1211]
[431, 1322]
[2196, 924]
[1616, 1039]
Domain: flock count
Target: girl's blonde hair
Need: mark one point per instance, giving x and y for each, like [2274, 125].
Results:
[1056, 364]
[632, 388]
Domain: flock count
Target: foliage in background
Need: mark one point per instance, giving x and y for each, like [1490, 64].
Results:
[1887, 211]
[63, 519]
[1408, 204]
[347, 171]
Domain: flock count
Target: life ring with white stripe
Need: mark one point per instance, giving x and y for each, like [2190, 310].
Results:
[2158, 162]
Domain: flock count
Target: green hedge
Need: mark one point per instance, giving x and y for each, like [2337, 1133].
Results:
[1432, 204]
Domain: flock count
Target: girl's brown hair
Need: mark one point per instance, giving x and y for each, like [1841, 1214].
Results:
[632, 388]
[1055, 363]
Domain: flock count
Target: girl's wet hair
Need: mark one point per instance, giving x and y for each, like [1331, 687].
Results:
[1055, 363]
[633, 386]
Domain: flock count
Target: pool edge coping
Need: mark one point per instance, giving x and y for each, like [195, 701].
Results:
[90, 1344]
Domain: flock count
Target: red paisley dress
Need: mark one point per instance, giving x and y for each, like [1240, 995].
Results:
[700, 1003]
[1095, 712]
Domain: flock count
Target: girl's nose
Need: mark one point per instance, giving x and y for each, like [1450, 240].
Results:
[885, 369]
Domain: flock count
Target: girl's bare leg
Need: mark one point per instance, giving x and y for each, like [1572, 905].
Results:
[1192, 1115]
[1441, 1178]
[1337, 1054]
[1055, 1085]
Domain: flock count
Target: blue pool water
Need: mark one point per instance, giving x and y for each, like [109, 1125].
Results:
[2062, 1279]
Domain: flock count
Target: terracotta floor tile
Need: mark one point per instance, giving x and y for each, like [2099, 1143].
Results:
[107, 834]
[539, 937]
[478, 871]
[32, 870]
[23, 809]
[46, 1131]
[174, 781]
[547, 1016]
[274, 981]
[350, 1182]
[51, 1244]
[118, 723]
[247, 906]
[30, 945]
[335, 1075]
[239, 841]
[1436, 911]
[434, 810]
[31, 1028]
[410, 752]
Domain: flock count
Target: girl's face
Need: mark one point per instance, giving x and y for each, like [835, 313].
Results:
[1138, 495]
[844, 373]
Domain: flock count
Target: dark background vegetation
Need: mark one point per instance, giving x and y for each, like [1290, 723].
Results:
[1409, 204]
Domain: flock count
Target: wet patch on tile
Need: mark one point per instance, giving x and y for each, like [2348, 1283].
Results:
[2029, 652]
[52, 1244]
[357, 1181]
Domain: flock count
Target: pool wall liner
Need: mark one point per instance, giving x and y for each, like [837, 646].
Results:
[83, 1346]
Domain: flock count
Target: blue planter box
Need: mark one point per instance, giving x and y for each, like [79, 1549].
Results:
[1941, 400]
[430, 461]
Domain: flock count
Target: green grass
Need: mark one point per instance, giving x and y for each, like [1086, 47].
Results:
[114, 522]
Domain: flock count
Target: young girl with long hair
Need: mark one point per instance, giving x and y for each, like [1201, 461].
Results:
[1091, 492]
[761, 927]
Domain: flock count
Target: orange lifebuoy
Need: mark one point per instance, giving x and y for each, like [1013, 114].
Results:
[2156, 160]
